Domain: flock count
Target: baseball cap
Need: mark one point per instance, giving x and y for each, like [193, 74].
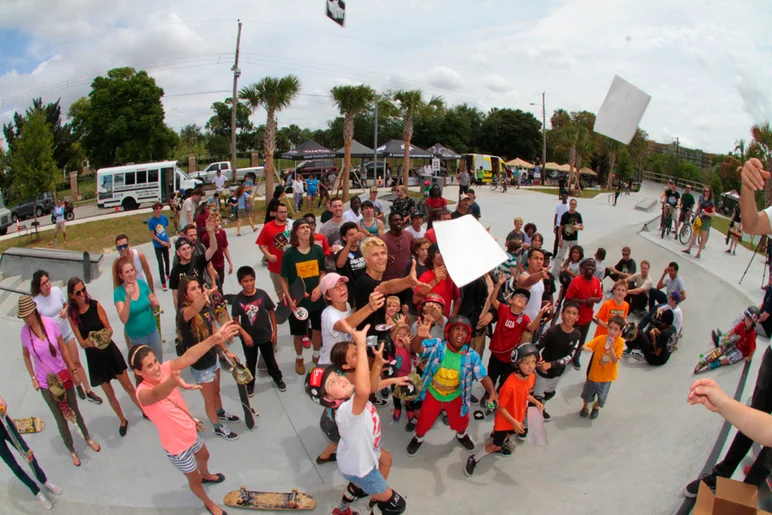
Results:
[465, 197]
[329, 281]
[180, 242]
[374, 188]
[417, 214]
[676, 296]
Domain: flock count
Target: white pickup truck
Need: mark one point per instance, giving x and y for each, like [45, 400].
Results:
[209, 173]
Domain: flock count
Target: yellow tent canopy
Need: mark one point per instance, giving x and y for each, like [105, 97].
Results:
[552, 166]
[564, 168]
[588, 171]
[520, 163]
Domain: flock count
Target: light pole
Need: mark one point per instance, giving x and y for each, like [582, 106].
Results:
[543, 128]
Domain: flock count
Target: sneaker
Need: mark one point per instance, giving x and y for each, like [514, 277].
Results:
[692, 488]
[224, 415]
[333, 457]
[475, 400]
[54, 489]
[637, 354]
[715, 335]
[466, 443]
[385, 393]
[546, 416]
[627, 352]
[306, 342]
[595, 412]
[300, 367]
[584, 412]
[380, 402]
[164, 287]
[411, 423]
[315, 359]
[509, 445]
[548, 396]
[281, 386]
[524, 435]
[413, 446]
[250, 392]
[577, 365]
[469, 467]
[347, 511]
[224, 432]
[44, 501]
[396, 415]
[504, 451]
[92, 397]
[81, 393]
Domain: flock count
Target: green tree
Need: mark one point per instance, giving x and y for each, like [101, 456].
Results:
[510, 133]
[624, 166]
[220, 122]
[123, 120]
[350, 101]
[762, 143]
[33, 158]
[218, 146]
[191, 142]
[411, 103]
[272, 94]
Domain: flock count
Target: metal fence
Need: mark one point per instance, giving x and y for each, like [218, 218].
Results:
[662, 178]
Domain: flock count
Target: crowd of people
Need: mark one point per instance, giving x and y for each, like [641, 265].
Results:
[370, 296]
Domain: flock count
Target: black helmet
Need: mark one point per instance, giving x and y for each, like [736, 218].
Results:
[630, 332]
[523, 351]
[459, 320]
[753, 313]
[314, 384]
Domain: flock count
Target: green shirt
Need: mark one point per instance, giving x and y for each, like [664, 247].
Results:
[687, 201]
[480, 174]
[308, 267]
[446, 383]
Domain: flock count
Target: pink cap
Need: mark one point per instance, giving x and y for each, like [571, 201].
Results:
[329, 281]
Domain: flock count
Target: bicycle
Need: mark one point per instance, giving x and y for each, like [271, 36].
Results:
[685, 232]
[494, 183]
[667, 221]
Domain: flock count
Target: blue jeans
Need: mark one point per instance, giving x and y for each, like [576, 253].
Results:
[152, 340]
[373, 483]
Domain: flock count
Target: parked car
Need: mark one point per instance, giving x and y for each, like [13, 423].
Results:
[207, 174]
[27, 208]
[315, 167]
[372, 169]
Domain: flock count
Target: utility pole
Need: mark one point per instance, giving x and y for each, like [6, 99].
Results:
[375, 146]
[543, 130]
[235, 101]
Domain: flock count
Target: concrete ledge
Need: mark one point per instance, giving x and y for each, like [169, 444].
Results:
[60, 263]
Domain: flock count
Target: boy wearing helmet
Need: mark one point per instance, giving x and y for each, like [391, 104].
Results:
[360, 457]
[450, 372]
[514, 397]
[739, 343]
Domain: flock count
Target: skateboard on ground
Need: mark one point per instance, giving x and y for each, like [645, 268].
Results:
[157, 311]
[242, 375]
[29, 425]
[272, 501]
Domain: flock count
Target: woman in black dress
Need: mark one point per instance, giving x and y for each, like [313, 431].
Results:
[86, 317]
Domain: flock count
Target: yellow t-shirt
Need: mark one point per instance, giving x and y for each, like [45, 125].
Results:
[608, 310]
[602, 370]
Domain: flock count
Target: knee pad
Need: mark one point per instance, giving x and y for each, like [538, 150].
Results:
[355, 492]
[396, 505]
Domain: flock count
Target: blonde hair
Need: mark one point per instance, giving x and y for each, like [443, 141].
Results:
[393, 298]
[518, 219]
[369, 243]
[620, 283]
[402, 189]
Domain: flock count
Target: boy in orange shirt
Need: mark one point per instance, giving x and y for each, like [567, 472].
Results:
[616, 305]
[514, 396]
[606, 351]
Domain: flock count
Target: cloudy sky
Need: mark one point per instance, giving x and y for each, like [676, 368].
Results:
[704, 62]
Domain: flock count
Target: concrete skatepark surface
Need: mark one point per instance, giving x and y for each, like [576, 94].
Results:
[635, 458]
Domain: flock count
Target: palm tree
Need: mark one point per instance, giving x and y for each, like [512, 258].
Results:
[411, 103]
[740, 145]
[574, 136]
[350, 100]
[762, 137]
[273, 94]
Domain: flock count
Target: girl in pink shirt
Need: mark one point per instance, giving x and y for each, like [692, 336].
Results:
[45, 355]
[162, 402]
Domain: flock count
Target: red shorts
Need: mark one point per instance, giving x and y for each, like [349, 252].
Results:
[430, 410]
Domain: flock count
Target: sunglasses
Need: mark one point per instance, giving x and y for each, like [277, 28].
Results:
[122, 247]
[80, 292]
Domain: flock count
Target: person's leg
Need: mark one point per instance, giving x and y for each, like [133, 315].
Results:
[583, 329]
[79, 378]
[72, 402]
[196, 486]
[384, 463]
[165, 254]
[656, 297]
[113, 400]
[493, 370]
[703, 240]
[430, 410]
[9, 459]
[210, 402]
[125, 382]
[458, 423]
[266, 349]
[250, 354]
[61, 422]
[159, 259]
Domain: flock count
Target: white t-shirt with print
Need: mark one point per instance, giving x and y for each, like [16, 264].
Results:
[350, 216]
[416, 234]
[330, 336]
[51, 306]
[219, 182]
[360, 439]
[559, 210]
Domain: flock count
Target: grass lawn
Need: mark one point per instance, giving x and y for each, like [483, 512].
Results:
[86, 189]
[722, 225]
[586, 193]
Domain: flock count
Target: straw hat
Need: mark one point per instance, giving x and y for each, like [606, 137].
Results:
[27, 306]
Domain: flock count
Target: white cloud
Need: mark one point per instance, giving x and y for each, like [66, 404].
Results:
[702, 61]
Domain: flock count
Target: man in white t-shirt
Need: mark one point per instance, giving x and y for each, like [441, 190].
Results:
[672, 305]
[416, 227]
[639, 285]
[561, 208]
[533, 281]
[361, 458]
[219, 181]
[355, 213]
[334, 290]
[188, 211]
[377, 204]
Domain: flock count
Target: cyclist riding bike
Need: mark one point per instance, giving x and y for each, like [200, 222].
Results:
[687, 205]
[669, 200]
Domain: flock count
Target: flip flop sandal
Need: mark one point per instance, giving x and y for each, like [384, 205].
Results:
[98, 447]
[76, 459]
[220, 479]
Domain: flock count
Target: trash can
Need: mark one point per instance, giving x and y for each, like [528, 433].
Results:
[433, 180]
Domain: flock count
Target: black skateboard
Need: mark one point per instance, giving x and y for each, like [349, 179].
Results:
[242, 376]
[297, 291]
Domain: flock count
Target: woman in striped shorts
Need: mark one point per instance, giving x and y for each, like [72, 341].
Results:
[162, 402]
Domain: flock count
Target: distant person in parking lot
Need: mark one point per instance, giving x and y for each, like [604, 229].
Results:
[188, 211]
[297, 190]
[59, 218]
[219, 181]
[312, 190]
[377, 205]
[463, 182]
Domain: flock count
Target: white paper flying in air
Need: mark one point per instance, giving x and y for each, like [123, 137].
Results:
[621, 112]
[468, 249]
[537, 432]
